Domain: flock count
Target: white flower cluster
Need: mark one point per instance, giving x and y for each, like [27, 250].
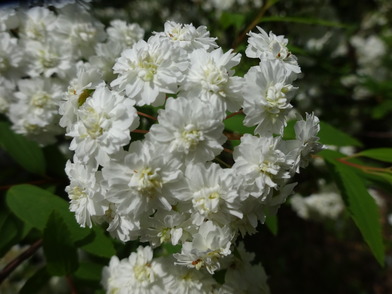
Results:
[168, 186]
[47, 52]
[141, 273]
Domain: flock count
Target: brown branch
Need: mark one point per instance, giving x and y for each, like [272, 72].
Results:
[140, 131]
[13, 264]
[146, 115]
[267, 4]
[228, 150]
[361, 167]
[71, 284]
[233, 114]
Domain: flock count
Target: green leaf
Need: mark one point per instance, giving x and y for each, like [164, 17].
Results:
[382, 154]
[60, 253]
[236, 124]
[12, 230]
[271, 222]
[329, 135]
[89, 271]
[34, 205]
[305, 20]
[101, 244]
[360, 205]
[236, 20]
[289, 131]
[382, 110]
[36, 282]
[25, 152]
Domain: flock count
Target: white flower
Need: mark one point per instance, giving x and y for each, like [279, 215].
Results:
[85, 193]
[138, 274]
[243, 277]
[211, 77]
[164, 226]
[8, 19]
[124, 34]
[208, 246]
[48, 58]
[104, 123]
[180, 279]
[214, 194]
[105, 58]
[189, 128]
[306, 134]
[37, 23]
[150, 70]
[7, 87]
[34, 113]
[76, 27]
[323, 205]
[79, 89]
[267, 93]
[121, 226]
[11, 57]
[271, 47]
[187, 36]
[144, 181]
[261, 163]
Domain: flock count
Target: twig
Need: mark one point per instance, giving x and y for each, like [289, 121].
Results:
[267, 4]
[233, 114]
[13, 264]
[146, 115]
[140, 131]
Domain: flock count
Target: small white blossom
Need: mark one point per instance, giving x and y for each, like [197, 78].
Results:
[208, 246]
[85, 193]
[138, 274]
[187, 36]
[211, 77]
[104, 123]
[267, 94]
[150, 70]
[124, 34]
[271, 47]
[189, 128]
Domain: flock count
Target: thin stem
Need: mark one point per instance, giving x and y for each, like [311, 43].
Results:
[222, 162]
[233, 114]
[13, 264]
[140, 131]
[228, 150]
[231, 136]
[146, 115]
[71, 284]
[256, 20]
[362, 167]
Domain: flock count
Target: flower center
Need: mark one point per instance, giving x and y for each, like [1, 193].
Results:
[92, 122]
[40, 99]
[207, 200]
[147, 181]
[214, 77]
[77, 193]
[276, 97]
[191, 136]
[147, 67]
[143, 273]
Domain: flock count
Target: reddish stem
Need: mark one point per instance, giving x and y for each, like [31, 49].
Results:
[362, 167]
[13, 264]
[140, 131]
[146, 115]
[233, 114]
